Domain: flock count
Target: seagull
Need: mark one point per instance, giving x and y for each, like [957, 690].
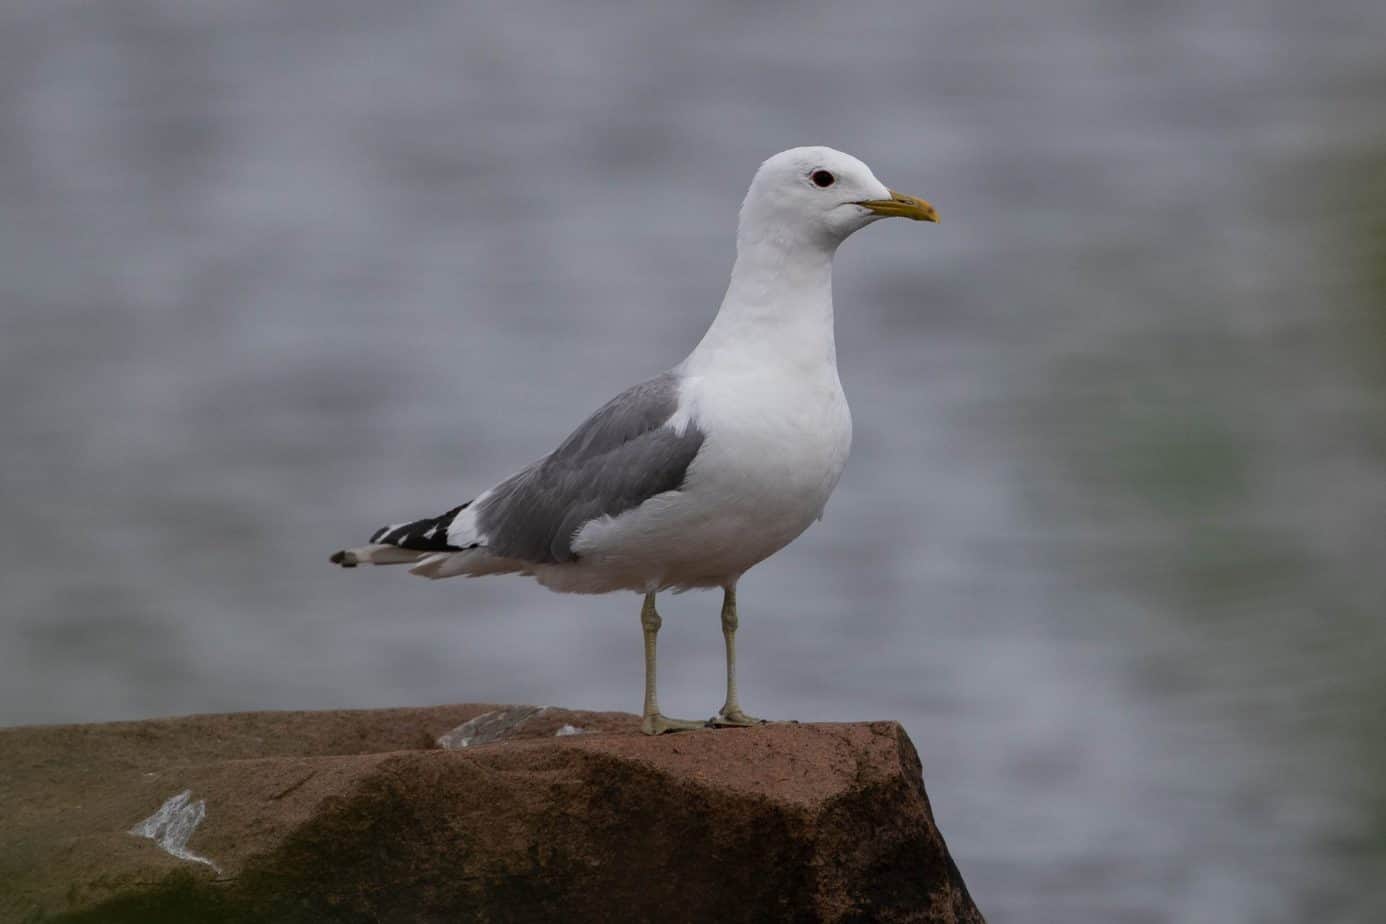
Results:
[693, 477]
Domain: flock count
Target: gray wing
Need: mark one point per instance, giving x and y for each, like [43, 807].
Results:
[620, 457]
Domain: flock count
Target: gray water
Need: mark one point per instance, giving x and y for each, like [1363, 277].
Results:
[1111, 541]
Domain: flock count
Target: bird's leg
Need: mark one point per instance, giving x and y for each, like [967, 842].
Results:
[655, 723]
[731, 713]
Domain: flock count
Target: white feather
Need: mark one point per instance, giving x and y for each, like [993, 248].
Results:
[463, 530]
[380, 554]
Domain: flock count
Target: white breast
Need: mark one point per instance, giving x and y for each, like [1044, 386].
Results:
[777, 443]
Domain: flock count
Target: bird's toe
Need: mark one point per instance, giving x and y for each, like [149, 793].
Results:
[659, 724]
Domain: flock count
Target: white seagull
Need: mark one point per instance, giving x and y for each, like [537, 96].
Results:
[691, 478]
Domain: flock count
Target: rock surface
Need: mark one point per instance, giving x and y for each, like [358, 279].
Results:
[467, 813]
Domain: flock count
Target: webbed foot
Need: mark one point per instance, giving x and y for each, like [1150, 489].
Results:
[659, 724]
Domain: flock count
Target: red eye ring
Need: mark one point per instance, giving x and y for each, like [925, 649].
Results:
[822, 179]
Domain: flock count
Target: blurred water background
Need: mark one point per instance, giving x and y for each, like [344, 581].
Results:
[1112, 542]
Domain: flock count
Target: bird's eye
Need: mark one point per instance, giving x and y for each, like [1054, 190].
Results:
[823, 179]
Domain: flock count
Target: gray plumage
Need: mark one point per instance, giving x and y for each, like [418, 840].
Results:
[620, 457]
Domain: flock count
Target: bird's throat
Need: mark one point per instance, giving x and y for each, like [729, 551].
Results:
[776, 312]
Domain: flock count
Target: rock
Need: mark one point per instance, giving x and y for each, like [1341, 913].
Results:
[563, 815]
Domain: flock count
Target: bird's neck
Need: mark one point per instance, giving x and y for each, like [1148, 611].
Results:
[778, 310]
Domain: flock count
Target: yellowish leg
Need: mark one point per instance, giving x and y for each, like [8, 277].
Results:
[731, 713]
[654, 723]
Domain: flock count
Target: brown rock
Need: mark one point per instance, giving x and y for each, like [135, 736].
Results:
[362, 816]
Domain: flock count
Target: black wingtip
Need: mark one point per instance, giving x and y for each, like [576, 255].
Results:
[340, 558]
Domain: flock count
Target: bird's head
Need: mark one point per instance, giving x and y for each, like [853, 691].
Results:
[821, 195]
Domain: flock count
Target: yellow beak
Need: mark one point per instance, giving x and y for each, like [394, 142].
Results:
[900, 205]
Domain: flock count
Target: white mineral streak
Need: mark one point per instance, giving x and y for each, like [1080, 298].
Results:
[173, 824]
[488, 727]
[568, 730]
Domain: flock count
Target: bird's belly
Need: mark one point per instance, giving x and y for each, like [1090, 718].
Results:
[763, 476]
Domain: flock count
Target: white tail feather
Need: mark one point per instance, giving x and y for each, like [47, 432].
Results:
[377, 554]
[471, 562]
